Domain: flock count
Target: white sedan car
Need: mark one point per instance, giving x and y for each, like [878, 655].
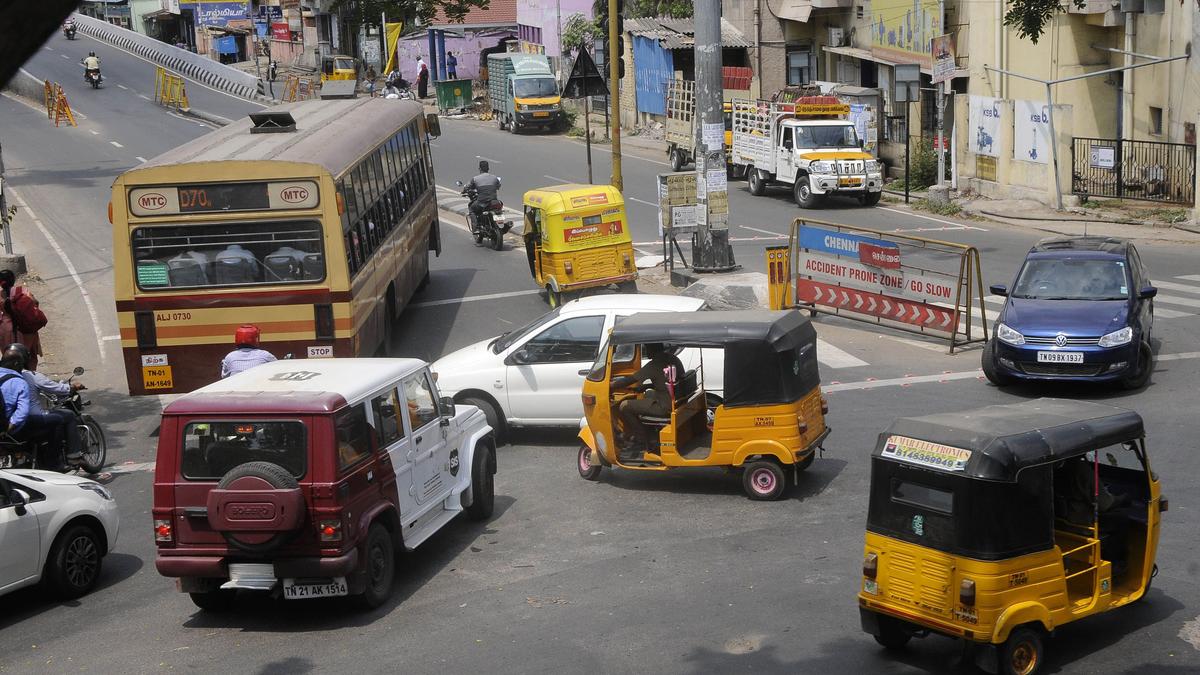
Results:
[54, 528]
[532, 376]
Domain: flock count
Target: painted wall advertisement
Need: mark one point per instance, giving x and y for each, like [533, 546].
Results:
[220, 13]
[983, 116]
[1031, 132]
[901, 30]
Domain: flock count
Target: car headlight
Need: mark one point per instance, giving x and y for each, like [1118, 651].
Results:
[518, 107]
[98, 489]
[1117, 338]
[822, 167]
[1008, 335]
[872, 166]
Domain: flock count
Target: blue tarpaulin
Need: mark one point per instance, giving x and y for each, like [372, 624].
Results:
[653, 69]
[226, 45]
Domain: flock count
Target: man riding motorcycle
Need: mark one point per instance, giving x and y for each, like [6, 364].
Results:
[69, 28]
[28, 421]
[91, 64]
[485, 187]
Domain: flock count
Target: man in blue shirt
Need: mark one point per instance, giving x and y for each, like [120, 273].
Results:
[38, 384]
[23, 423]
[247, 355]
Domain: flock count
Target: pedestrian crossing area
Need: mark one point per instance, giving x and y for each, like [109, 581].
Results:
[1168, 304]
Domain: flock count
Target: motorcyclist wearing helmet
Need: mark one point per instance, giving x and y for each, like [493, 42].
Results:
[57, 427]
[247, 355]
[91, 64]
[486, 188]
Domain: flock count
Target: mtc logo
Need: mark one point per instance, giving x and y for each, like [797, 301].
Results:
[294, 195]
[152, 201]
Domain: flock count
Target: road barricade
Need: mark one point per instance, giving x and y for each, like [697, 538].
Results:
[910, 283]
[170, 90]
[296, 88]
[57, 108]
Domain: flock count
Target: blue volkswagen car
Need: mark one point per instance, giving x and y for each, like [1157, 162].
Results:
[1082, 309]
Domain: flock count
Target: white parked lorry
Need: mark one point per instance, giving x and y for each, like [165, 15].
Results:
[680, 129]
[809, 146]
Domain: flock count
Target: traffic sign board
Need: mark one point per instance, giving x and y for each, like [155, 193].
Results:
[932, 317]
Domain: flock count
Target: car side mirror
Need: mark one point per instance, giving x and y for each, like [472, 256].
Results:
[446, 407]
[18, 499]
[999, 289]
[433, 126]
[1147, 292]
[78, 371]
[518, 358]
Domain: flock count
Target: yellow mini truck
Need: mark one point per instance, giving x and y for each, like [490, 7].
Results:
[576, 238]
[998, 525]
[768, 425]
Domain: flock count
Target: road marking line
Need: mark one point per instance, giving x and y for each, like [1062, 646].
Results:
[561, 180]
[1175, 287]
[116, 144]
[93, 132]
[899, 381]
[49, 49]
[488, 159]
[70, 267]
[995, 299]
[140, 158]
[131, 467]
[144, 96]
[1164, 313]
[1176, 300]
[837, 358]
[1178, 357]
[940, 348]
[64, 56]
[123, 87]
[111, 338]
[936, 220]
[1190, 277]
[642, 201]
[475, 298]
[755, 229]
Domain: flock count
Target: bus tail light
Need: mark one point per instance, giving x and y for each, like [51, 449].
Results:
[323, 315]
[966, 592]
[147, 334]
[341, 204]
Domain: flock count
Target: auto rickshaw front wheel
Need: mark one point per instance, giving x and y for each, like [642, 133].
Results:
[553, 297]
[1022, 652]
[764, 480]
[587, 470]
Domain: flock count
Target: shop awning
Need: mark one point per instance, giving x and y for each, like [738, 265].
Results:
[866, 55]
[160, 15]
[792, 10]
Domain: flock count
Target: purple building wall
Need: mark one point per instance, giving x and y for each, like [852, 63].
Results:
[545, 14]
[466, 49]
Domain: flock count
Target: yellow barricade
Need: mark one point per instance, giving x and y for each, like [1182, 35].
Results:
[62, 109]
[169, 90]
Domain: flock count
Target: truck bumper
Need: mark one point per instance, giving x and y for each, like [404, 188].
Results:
[855, 185]
[532, 119]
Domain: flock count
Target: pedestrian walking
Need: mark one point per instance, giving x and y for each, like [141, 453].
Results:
[23, 317]
[422, 78]
[371, 77]
[451, 66]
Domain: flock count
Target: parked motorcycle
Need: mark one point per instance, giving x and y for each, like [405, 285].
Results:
[69, 31]
[16, 454]
[494, 223]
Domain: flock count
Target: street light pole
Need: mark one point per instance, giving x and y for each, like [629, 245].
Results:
[711, 252]
[614, 86]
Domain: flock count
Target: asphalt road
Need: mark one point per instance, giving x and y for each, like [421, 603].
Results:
[673, 573]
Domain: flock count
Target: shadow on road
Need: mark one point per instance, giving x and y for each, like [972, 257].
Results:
[33, 601]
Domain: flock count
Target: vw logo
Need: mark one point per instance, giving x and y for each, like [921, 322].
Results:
[1060, 340]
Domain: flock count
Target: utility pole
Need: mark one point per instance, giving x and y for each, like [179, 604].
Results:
[615, 7]
[711, 251]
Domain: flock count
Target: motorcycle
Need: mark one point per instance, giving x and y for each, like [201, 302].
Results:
[399, 90]
[16, 454]
[69, 32]
[494, 224]
[92, 76]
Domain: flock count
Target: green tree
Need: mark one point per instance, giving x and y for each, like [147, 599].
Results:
[579, 31]
[369, 12]
[1029, 17]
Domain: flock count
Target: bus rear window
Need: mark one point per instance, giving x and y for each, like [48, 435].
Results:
[228, 254]
[211, 449]
[923, 496]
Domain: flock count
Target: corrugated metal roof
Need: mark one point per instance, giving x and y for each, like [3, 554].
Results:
[680, 33]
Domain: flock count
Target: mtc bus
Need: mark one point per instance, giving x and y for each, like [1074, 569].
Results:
[313, 221]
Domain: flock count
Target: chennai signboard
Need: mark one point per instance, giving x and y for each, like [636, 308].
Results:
[901, 30]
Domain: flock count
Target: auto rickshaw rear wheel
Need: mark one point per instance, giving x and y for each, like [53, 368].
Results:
[1022, 652]
[891, 633]
[587, 470]
[764, 480]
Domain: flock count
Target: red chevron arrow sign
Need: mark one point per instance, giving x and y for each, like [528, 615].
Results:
[932, 317]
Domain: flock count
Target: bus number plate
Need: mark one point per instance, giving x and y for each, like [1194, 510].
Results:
[157, 377]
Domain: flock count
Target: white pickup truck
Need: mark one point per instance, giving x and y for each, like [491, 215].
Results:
[808, 146]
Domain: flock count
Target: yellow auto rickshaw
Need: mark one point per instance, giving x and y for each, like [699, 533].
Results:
[998, 525]
[577, 237]
[765, 416]
[338, 67]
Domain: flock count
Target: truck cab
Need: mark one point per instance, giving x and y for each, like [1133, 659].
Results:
[524, 92]
[809, 146]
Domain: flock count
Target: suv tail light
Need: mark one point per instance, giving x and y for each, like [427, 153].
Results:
[329, 529]
[163, 532]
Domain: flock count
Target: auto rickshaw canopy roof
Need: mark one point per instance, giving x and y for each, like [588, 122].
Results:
[770, 356]
[1003, 439]
[559, 199]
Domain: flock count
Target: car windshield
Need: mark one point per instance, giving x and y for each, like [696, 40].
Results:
[211, 449]
[510, 338]
[1072, 279]
[826, 137]
[535, 88]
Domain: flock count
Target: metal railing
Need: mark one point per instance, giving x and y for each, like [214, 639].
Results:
[1146, 170]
